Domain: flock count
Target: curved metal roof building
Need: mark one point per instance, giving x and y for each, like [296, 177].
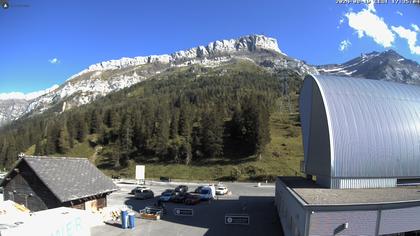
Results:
[360, 133]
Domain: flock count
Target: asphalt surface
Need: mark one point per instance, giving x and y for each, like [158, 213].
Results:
[208, 217]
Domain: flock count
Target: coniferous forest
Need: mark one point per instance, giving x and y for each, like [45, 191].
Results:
[180, 116]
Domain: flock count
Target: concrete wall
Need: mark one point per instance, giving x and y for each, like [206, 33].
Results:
[400, 220]
[298, 218]
[291, 213]
[332, 223]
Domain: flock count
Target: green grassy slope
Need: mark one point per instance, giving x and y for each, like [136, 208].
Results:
[281, 157]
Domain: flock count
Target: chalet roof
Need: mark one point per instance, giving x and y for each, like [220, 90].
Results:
[69, 178]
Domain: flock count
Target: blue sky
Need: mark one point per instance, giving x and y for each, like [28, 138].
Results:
[47, 42]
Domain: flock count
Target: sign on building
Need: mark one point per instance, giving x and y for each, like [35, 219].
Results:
[237, 219]
[183, 212]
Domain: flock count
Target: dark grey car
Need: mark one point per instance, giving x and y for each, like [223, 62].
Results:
[144, 194]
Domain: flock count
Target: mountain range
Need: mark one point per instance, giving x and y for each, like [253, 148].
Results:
[102, 78]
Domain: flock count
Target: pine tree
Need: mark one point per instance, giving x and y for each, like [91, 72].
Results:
[126, 139]
[161, 131]
[11, 154]
[81, 129]
[255, 124]
[184, 122]
[39, 148]
[173, 129]
[185, 152]
[63, 143]
[95, 121]
[51, 143]
[212, 134]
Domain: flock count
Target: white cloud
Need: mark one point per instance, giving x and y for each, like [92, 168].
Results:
[415, 27]
[410, 36]
[340, 22]
[366, 22]
[27, 96]
[344, 45]
[399, 13]
[54, 60]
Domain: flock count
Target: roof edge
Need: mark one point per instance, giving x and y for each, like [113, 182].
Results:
[329, 122]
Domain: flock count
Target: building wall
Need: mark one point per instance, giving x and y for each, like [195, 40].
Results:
[372, 127]
[298, 218]
[363, 183]
[333, 223]
[400, 220]
[26, 188]
[19, 191]
[318, 161]
[291, 213]
[95, 204]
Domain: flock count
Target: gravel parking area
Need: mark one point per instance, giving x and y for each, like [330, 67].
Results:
[208, 218]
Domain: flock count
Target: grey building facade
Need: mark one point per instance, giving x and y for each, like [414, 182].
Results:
[305, 208]
[361, 143]
[360, 133]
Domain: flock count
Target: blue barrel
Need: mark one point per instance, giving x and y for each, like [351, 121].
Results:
[131, 220]
[124, 216]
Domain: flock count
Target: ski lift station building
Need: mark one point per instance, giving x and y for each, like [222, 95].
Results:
[361, 141]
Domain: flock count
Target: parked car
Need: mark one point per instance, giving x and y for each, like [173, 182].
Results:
[207, 193]
[167, 195]
[198, 189]
[181, 188]
[144, 194]
[138, 188]
[192, 199]
[165, 179]
[179, 197]
[221, 190]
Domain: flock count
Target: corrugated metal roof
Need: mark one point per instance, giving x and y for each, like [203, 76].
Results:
[374, 126]
[70, 178]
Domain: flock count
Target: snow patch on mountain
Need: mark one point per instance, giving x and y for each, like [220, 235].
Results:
[387, 65]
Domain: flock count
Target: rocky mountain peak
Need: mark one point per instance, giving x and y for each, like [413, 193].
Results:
[386, 65]
[102, 78]
[249, 43]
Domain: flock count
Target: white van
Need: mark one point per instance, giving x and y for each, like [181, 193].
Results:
[208, 193]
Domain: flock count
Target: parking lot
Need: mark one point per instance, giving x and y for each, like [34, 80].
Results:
[208, 217]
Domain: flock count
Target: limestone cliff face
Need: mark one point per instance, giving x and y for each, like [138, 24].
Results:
[251, 43]
[102, 78]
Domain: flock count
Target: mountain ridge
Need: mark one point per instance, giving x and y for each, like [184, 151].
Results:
[105, 77]
[102, 78]
[386, 65]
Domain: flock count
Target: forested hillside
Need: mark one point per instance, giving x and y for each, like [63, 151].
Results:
[183, 116]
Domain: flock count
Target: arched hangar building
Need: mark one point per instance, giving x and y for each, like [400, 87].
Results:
[361, 142]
